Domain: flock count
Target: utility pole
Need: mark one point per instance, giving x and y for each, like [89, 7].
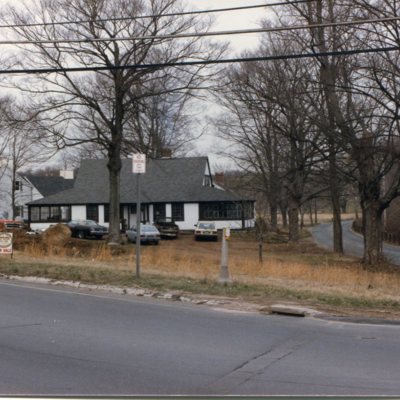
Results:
[138, 215]
[138, 168]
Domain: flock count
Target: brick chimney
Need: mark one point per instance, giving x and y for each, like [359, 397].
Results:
[219, 178]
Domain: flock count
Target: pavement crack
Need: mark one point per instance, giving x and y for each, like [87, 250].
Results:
[19, 326]
[254, 367]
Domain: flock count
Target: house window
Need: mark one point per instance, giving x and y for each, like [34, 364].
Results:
[50, 214]
[178, 213]
[65, 213]
[44, 214]
[92, 212]
[17, 186]
[159, 211]
[225, 210]
[35, 214]
[207, 180]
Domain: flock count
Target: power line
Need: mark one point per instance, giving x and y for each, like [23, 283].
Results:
[177, 14]
[204, 34]
[205, 62]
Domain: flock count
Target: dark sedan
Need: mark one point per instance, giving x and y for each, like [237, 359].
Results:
[167, 227]
[85, 228]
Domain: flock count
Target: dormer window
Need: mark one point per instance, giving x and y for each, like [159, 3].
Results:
[207, 180]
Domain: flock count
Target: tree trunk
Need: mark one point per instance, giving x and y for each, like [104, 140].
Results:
[284, 213]
[316, 212]
[372, 225]
[294, 233]
[335, 198]
[114, 168]
[273, 209]
[310, 211]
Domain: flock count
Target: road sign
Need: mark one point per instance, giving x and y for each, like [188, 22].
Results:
[6, 241]
[139, 163]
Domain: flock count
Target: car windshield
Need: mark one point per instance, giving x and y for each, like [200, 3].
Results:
[145, 228]
[148, 228]
[206, 225]
[89, 222]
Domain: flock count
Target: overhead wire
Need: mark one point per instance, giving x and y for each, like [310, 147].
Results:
[199, 34]
[202, 62]
[205, 34]
[149, 16]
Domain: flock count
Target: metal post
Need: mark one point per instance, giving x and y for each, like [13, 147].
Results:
[224, 273]
[138, 215]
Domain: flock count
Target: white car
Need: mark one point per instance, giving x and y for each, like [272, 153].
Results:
[205, 230]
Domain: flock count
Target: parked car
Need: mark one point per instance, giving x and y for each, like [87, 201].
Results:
[12, 224]
[205, 230]
[148, 234]
[167, 227]
[86, 228]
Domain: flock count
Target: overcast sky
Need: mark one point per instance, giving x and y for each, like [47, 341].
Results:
[233, 20]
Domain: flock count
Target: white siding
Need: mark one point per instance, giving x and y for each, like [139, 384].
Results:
[191, 212]
[168, 210]
[101, 215]
[78, 212]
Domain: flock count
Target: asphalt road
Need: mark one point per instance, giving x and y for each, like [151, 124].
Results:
[57, 342]
[352, 242]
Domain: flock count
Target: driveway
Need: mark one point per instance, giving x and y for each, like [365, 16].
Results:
[352, 242]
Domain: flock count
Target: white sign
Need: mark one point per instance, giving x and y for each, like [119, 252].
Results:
[139, 163]
[227, 233]
[6, 240]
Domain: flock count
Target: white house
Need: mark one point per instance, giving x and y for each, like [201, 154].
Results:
[180, 188]
[27, 188]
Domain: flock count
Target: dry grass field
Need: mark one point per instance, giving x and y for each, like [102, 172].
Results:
[301, 272]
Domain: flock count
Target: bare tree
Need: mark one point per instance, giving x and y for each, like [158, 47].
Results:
[270, 123]
[95, 107]
[163, 118]
[23, 147]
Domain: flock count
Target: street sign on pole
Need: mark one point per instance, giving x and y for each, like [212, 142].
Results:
[139, 163]
[138, 167]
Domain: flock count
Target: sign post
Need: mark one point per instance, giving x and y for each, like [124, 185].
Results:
[138, 168]
[224, 272]
[6, 243]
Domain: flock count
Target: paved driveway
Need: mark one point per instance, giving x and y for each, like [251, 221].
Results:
[352, 242]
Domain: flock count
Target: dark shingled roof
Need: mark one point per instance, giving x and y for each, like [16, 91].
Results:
[165, 180]
[49, 185]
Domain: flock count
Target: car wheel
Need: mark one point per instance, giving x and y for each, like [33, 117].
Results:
[80, 235]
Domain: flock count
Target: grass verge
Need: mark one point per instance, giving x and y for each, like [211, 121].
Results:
[260, 294]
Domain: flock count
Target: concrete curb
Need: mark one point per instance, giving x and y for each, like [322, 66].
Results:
[291, 310]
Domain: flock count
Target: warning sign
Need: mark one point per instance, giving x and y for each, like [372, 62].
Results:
[139, 163]
[6, 241]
